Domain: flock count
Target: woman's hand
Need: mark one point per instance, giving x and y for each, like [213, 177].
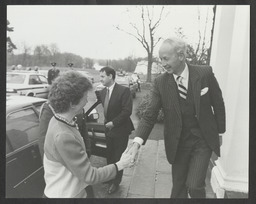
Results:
[125, 161]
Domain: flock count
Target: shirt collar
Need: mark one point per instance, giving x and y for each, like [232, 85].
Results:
[111, 87]
[184, 74]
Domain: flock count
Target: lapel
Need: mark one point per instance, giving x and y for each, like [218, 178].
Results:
[103, 93]
[196, 87]
[174, 95]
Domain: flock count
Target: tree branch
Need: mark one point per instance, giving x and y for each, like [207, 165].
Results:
[159, 19]
[131, 34]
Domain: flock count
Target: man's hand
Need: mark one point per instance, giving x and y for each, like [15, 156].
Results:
[220, 139]
[109, 125]
[133, 150]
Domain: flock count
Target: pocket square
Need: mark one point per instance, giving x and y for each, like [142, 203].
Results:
[204, 91]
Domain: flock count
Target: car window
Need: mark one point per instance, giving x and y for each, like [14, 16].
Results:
[34, 79]
[43, 79]
[15, 78]
[22, 127]
[8, 148]
[38, 106]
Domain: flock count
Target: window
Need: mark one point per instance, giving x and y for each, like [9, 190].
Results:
[8, 148]
[38, 106]
[15, 78]
[43, 79]
[22, 128]
[34, 79]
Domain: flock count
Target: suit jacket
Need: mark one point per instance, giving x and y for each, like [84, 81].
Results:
[210, 109]
[119, 111]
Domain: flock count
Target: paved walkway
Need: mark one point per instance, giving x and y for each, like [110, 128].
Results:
[149, 178]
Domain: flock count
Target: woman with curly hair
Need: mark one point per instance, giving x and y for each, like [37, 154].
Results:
[67, 167]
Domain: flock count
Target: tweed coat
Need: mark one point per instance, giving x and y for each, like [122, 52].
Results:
[209, 107]
[119, 110]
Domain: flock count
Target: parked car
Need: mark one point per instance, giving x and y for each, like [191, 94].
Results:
[24, 168]
[27, 84]
[125, 81]
[128, 82]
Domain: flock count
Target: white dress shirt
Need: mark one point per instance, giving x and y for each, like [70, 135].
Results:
[110, 89]
[184, 75]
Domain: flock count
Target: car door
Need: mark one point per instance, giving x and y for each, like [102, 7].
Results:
[44, 81]
[24, 169]
[96, 130]
[39, 85]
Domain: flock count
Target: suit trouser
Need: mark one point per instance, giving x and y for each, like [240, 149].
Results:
[115, 149]
[190, 167]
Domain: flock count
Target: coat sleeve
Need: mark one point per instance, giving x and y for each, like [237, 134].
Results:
[217, 103]
[126, 103]
[150, 116]
[45, 116]
[75, 159]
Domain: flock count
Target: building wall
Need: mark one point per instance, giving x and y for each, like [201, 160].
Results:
[230, 62]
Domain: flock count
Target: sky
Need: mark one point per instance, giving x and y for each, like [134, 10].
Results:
[90, 31]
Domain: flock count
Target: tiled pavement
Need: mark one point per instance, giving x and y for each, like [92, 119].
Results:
[149, 178]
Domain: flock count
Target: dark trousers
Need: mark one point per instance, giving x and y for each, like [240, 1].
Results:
[115, 148]
[190, 167]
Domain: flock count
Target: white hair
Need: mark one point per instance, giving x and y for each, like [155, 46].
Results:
[179, 44]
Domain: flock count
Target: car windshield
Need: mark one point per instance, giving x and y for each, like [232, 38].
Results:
[15, 78]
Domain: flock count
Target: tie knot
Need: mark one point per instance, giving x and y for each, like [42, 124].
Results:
[179, 79]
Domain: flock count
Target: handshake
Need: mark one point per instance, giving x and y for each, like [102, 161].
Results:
[128, 157]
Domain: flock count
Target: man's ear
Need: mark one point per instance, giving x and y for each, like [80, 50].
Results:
[182, 56]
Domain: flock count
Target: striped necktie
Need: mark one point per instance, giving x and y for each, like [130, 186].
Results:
[106, 102]
[182, 89]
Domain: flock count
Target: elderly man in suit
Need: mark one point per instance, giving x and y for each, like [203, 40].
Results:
[117, 102]
[194, 116]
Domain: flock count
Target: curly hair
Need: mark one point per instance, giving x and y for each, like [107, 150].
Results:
[68, 88]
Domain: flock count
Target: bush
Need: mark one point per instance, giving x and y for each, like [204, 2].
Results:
[143, 105]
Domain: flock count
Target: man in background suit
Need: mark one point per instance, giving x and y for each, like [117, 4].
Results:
[194, 115]
[117, 104]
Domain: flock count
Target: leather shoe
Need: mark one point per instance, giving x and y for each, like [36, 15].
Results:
[112, 188]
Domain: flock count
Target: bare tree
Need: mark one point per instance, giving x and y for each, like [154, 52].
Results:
[200, 53]
[25, 52]
[145, 34]
[54, 50]
[212, 31]
[38, 53]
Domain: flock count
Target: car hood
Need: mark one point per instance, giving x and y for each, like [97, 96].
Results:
[14, 86]
[20, 86]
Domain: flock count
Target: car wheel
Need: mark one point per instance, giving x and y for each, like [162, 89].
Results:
[30, 94]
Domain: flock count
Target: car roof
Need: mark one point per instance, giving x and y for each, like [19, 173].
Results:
[25, 73]
[15, 102]
[122, 79]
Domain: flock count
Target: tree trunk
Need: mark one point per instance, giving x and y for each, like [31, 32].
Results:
[212, 31]
[149, 67]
